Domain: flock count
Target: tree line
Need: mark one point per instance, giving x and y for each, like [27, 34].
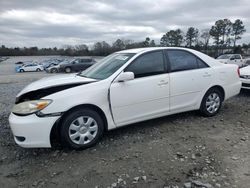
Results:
[221, 38]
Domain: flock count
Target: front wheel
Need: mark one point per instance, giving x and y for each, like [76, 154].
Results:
[81, 129]
[38, 70]
[211, 102]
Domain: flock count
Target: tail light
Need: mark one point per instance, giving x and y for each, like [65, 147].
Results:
[238, 71]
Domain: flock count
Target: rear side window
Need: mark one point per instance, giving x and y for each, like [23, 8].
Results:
[147, 65]
[181, 60]
[201, 63]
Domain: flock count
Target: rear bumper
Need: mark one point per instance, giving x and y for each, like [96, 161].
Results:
[32, 131]
[232, 89]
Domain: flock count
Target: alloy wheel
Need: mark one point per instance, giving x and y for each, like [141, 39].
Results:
[213, 103]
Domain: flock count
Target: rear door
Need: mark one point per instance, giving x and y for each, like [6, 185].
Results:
[29, 67]
[76, 65]
[189, 76]
[86, 63]
[239, 60]
[144, 97]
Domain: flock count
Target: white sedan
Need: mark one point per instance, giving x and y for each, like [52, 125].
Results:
[31, 67]
[245, 77]
[124, 88]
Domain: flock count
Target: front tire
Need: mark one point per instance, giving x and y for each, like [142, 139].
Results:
[21, 70]
[81, 129]
[211, 102]
[38, 70]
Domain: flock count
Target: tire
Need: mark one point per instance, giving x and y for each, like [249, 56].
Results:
[54, 70]
[21, 70]
[211, 102]
[77, 133]
[67, 70]
[38, 70]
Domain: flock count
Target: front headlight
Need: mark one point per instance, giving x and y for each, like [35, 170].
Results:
[30, 107]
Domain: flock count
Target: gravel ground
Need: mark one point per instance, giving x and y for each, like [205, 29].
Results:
[183, 150]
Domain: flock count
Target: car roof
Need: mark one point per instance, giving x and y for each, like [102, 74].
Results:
[139, 50]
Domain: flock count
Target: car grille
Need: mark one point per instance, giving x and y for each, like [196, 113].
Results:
[245, 85]
[245, 76]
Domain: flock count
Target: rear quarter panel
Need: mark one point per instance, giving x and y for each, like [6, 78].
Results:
[228, 77]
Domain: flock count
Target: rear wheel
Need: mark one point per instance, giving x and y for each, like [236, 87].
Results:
[81, 129]
[68, 70]
[211, 102]
[38, 70]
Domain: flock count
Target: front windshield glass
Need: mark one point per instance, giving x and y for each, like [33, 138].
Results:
[107, 66]
[224, 57]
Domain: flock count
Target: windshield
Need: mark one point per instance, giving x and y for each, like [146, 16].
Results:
[107, 66]
[224, 56]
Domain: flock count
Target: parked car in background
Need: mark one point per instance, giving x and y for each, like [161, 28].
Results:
[21, 63]
[245, 77]
[51, 62]
[76, 65]
[232, 59]
[54, 68]
[124, 88]
[31, 67]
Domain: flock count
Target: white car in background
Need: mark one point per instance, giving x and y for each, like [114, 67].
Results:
[245, 77]
[232, 59]
[124, 88]
[31, 67]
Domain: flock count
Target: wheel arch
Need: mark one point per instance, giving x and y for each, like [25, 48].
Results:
[220, 88]
[54, 133]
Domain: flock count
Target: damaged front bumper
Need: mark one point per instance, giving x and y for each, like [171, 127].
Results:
[32, 131]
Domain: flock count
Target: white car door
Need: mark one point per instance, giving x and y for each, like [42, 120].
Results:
[189, 76]
[144, 97]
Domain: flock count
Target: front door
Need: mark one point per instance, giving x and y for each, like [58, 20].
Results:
[144, 97]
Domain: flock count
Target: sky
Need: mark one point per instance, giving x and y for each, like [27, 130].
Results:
[49, 23]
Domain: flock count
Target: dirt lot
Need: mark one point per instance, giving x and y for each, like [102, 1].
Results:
[171, 152]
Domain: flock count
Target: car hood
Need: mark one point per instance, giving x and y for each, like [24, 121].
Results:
[245, 70]
[54, 81]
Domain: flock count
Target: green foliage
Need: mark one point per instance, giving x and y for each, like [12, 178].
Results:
[172, 38]
[237, 30]
[191, 36]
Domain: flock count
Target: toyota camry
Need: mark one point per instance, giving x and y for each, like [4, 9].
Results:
[124, 88]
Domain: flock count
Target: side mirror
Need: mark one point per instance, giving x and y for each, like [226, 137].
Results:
[126, 76]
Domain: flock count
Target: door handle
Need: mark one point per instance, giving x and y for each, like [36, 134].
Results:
[206, 74]
[162, 82]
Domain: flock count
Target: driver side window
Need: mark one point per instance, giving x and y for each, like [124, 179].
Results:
[148, 64]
